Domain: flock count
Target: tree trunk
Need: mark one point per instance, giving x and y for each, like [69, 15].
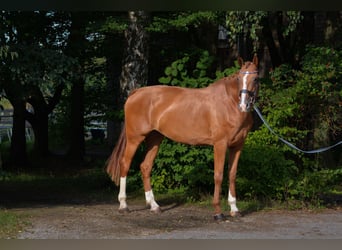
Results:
[39, 118]
[135, 62]
[319, 28]
[18, 154]
[134, 72]
[39, 122]
[270, 41]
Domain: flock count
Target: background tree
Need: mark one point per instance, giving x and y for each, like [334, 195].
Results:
[134, 65]
[32, 76]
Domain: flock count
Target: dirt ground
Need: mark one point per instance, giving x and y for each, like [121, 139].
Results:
[177, 221]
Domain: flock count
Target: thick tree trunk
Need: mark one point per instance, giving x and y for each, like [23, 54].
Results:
[134, 72]
[135, 62]
[18, 154]
[273, 49]
[39, 122]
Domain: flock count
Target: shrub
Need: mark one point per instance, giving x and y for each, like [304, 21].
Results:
[183, 167]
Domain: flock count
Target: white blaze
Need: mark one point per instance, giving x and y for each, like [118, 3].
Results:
[244, 95]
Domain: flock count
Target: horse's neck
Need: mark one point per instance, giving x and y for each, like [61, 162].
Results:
[232, 88]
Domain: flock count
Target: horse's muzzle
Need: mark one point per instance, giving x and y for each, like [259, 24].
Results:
[246, 100]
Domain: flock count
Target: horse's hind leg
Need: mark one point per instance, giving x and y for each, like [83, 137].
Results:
[153, 141]
[125, 162]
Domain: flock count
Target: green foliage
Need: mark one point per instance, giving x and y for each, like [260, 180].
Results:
[250, 23]
[297, 102]
[41, 67]
[183, 167]
[193, 71]
[302, 106]
[293, 19]
[311, 186]
[239, 22]
[180, 20]
[263, 171]
[180, 73]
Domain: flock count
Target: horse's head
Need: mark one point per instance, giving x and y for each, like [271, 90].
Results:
[248, 83]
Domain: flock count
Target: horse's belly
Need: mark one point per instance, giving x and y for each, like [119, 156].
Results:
[183, 126]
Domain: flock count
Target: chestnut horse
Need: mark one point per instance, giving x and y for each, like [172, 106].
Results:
[217, 115]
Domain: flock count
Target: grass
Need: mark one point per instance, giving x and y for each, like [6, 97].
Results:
[11, 224]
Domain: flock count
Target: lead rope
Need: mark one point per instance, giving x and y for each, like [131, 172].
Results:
[320, 150]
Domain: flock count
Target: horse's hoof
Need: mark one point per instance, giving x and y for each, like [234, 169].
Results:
[219, 217]
[156, 210]
[235, 214]
[124, 210]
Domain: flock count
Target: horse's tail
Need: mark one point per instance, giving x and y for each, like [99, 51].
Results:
[113, 162]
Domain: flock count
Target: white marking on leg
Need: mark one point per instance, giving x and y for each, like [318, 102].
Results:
[122, 194]
[150, 200]
[232, 203]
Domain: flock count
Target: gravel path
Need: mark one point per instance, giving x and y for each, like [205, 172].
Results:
[103, 221]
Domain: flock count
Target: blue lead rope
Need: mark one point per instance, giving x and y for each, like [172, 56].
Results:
[320, 150]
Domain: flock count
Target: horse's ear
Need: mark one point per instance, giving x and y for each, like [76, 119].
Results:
[240, 61]
[255, 60]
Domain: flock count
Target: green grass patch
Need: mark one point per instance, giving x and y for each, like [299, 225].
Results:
[11, 224]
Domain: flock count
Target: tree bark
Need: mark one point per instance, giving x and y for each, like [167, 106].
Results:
[18, 154]
[134, 69]
[135, 61]
[39, 118]
[270, 41]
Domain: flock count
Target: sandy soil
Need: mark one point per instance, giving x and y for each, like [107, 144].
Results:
[103, 221]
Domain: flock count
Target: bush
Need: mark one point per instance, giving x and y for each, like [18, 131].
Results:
[263, 172]
[182, 167]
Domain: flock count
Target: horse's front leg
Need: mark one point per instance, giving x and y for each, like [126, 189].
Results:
[219, 158]
[234, 155]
